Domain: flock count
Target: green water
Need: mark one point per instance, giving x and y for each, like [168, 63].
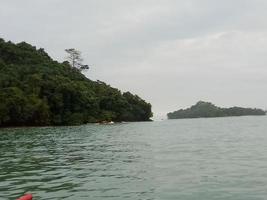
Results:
[200, 159]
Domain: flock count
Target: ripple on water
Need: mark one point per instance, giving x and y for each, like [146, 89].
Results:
[199, 159]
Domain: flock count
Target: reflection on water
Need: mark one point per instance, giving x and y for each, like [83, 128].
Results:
[222, 158]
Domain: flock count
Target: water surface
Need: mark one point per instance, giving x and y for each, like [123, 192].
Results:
[193, 159]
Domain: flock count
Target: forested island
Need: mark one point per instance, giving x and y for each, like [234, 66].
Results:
[206, 109]
[36, 90]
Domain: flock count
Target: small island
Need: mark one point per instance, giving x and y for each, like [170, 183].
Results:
[36, 90]
[206, 110]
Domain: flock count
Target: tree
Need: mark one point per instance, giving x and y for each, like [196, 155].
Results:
[75, 59]
[207, 109]
[36, 90]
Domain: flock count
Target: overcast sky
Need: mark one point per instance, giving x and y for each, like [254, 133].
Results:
[172, 53]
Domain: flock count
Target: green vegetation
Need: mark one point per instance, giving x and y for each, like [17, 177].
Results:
[206, 109]
[36, 91]
[75, 59]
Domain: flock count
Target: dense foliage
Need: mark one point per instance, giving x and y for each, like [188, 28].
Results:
[36, 90]
[206, 109]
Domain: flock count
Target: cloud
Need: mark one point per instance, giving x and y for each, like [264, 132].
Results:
[171, 53]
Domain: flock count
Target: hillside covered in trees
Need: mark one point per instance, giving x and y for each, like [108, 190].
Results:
[36, 90]
[206, 109]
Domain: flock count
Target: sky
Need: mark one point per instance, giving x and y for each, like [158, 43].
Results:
[172, 53]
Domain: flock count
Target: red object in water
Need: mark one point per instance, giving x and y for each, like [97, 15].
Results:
[26, 197]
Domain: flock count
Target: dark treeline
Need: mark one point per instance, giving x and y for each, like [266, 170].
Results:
[206, 109]
[36, 90]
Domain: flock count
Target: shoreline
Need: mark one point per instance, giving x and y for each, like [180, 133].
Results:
[92, 123]
[218, 117]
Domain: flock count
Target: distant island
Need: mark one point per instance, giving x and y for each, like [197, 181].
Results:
[36, 90]
[206, 109]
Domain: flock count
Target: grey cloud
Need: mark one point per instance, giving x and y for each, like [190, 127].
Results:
[171, 52]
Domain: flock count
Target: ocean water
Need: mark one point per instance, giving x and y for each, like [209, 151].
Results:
[192, 159]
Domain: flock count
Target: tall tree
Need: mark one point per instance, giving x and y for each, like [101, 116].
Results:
[75, 59]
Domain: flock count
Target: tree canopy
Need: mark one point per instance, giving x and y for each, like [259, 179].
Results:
[36, 90]
[75, 59]
[207, 109]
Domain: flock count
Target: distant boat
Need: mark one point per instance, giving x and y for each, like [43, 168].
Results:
[107, 122]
